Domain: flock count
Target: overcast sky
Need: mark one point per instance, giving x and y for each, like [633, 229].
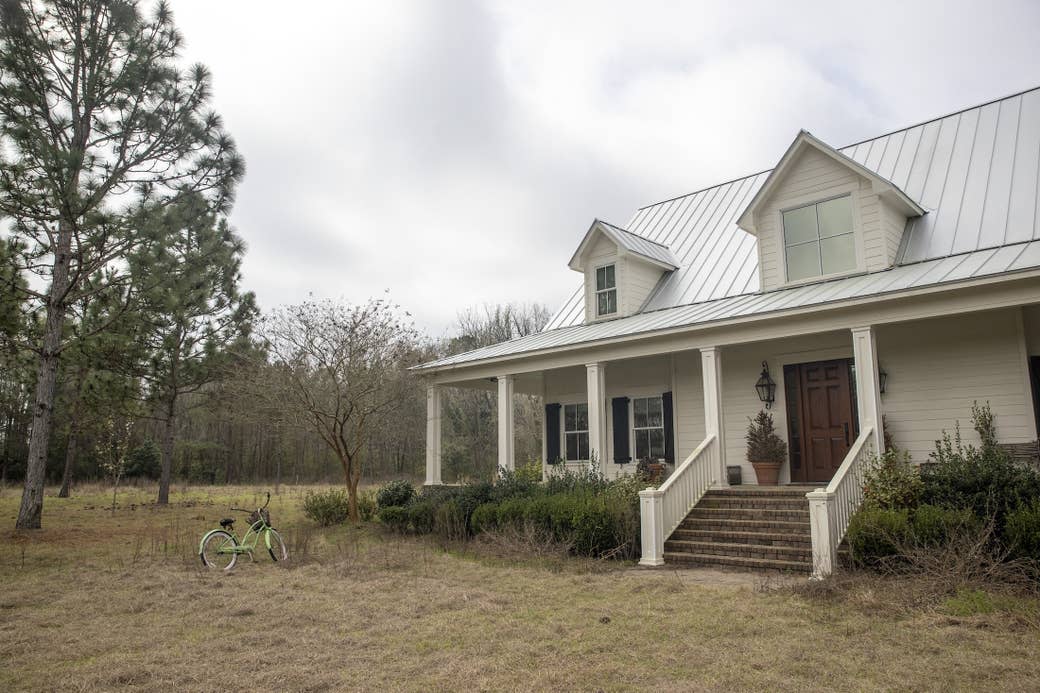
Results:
[455, 152]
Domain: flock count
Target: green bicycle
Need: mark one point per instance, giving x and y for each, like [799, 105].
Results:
[220, 548]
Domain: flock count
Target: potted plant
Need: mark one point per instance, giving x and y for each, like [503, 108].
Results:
[766, 451]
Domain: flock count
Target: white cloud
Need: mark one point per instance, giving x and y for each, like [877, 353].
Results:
[455, 152]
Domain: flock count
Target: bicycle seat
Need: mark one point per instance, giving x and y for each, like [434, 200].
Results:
[227, 522]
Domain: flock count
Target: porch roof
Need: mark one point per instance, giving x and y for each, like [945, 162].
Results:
[954, 269]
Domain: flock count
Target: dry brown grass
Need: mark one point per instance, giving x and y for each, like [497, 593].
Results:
[103, 601]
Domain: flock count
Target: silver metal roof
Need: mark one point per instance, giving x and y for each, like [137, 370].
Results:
[641, 246]
[976, 172]
[980, 263]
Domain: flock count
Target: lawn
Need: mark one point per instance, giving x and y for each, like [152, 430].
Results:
[102, 600]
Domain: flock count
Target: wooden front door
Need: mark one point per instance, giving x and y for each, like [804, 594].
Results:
[821, 418]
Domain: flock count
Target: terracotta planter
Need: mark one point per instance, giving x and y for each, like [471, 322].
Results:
[767, 473]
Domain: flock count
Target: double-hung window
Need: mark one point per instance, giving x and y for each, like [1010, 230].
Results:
[648, 427]
[606, 291]
[576, 431]
[818, 239]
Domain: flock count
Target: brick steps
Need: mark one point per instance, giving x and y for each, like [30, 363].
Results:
[737, 537]
[748, 527]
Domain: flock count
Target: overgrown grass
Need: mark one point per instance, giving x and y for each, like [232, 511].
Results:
[100, 600]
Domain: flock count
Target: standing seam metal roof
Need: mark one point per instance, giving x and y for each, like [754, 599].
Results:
[976, 171]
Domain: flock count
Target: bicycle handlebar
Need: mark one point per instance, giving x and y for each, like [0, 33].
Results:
[243, 510]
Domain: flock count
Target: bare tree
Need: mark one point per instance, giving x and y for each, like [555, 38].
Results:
[340, 369]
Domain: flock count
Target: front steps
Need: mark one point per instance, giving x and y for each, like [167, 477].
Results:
[748, 527]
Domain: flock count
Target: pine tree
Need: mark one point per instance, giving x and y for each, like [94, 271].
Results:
[194, 315]
[98, 126]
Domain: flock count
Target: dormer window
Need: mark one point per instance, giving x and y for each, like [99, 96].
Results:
[819, 239]
[606, 291]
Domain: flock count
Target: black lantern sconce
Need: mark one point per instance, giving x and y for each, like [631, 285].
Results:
[765, 386]
[882, 379]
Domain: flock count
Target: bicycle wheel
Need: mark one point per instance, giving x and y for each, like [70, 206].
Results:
[215, 551]
[276, 546]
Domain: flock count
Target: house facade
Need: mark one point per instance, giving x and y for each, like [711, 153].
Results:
[882, 288]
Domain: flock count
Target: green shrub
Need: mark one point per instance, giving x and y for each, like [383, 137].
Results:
[396, 493]
[366, 504]
[1023, 530]
[876, 535]
[327, 508]
[985, 480]
[394, 517]
[892, 481]
[516, 484]
[484, 518]
[144, 461]
[449, 521]
[421, 515]
[934, 526]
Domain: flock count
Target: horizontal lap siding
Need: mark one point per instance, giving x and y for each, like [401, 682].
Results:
[689, 403]
[640, 280]
[938, 368]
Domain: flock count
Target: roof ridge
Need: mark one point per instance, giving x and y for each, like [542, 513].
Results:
[848, 146]
[637, 235]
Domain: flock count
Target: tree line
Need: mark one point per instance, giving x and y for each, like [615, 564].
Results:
[128, 346]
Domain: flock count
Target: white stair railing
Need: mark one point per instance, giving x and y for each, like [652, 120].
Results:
[662, 509]
[831, 508]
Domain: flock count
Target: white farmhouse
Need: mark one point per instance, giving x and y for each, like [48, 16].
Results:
[896, 277]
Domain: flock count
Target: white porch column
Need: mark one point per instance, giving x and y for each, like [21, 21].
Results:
[711, 377]
[506, 448]
[596, 381]
[868, 392]
[433, 435]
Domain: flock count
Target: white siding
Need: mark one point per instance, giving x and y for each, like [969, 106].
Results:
[815, 176]
[634, 279]
[937, 368]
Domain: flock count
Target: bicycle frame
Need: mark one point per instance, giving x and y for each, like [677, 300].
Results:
[249, 540]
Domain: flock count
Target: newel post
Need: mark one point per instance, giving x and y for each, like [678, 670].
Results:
[651, 522]
[821, 515]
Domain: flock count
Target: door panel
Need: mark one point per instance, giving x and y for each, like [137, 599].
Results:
[826, 417]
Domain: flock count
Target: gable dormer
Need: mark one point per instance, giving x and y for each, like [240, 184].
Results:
[621, 270]
[820, 215]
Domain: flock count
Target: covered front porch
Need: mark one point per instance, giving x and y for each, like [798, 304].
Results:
[687, 405]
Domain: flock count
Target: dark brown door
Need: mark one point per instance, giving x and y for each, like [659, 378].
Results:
[825, 418]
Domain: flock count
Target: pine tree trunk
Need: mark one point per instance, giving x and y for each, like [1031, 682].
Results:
[30, 513]
[167, 451]
[70, 463]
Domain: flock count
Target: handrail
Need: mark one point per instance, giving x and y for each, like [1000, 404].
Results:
[663, 509]
[831, 508]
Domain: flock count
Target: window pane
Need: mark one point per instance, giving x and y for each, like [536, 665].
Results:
[656, 442]
[612, 301]
[835, 216]
[572, 446]
[606, 302]
[642, 445]
[803, 261]
[583, 417]
[655, 417]
[601, 278]
[839, 253]
[639, 413]
[569, 417]
[800, 225]
[609, 270]
[583, 446]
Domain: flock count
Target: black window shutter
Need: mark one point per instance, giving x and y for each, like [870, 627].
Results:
[552, 433]
[619, 406]
[669, 428]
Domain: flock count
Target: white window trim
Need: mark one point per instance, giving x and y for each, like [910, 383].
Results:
[596, 291]
[632, 424]
[786, 205]
[564, 431]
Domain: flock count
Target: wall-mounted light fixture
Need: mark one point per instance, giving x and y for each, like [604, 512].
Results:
[765, 386]
[882, 379]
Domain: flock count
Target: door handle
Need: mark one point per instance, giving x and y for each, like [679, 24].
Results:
[846, 426]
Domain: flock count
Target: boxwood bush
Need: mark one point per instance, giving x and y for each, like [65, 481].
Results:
[327, 508]
[396, 493]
